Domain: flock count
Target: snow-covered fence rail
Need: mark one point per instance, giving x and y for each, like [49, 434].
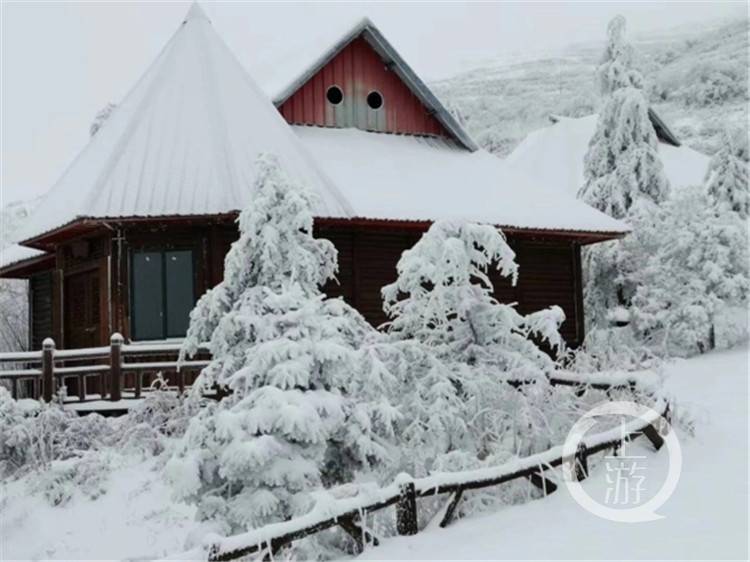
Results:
[116, 371]
[348, 513]
[108, 369]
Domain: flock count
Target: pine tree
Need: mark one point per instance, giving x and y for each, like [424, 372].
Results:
[303, 408]
[622, 163]
[727, 180]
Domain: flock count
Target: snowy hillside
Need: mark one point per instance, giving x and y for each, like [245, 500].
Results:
[552, 157]
[697, 81]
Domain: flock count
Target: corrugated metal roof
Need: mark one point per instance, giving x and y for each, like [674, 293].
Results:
[184, 141]
[402, 177]
[14, 254]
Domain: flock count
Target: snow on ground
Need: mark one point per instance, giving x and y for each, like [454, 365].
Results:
[135, 518]
[706, 518]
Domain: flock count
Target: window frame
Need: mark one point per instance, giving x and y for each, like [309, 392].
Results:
[162, 250]
[341, 91]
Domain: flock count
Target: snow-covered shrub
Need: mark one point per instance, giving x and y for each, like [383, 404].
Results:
[688, 264]
[302, 410]
[33, 434]
[86, 475]
[715, 83]
[161, 415]
[459, 347]
[612, 348]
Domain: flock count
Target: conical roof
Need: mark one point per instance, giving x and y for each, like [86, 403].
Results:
[183, 142]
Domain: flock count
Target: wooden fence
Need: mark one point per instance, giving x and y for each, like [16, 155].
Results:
[122, 371]
[119, 371]
[349, 513]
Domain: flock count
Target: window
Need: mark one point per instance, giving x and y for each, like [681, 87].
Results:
[375, 100]
[162, 293]
[334, 95]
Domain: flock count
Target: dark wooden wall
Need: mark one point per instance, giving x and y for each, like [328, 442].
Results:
[549, 274]
[40, 304]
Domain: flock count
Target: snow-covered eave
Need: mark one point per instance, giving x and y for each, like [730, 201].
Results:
[388, 53]
[47, 240]
[23, 262]
[663, 132]
[581, 235]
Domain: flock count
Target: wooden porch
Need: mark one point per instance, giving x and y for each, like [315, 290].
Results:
[107, 380]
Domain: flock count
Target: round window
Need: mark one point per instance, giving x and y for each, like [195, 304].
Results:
[375, 100]
[334, 95]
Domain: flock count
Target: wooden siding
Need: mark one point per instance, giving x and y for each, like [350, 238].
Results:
[358, 70]
[40, 304]
[547, 276]
[549, 270]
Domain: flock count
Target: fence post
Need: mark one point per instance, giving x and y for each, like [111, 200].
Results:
[581, 463]
[48, 369]
[115, 367]
[406, 510]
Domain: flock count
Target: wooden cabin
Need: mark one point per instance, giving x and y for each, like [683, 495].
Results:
[137, 227]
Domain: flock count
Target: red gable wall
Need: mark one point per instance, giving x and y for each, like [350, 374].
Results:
[358, 70]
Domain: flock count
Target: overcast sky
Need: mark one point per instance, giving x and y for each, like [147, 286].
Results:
[62, 62]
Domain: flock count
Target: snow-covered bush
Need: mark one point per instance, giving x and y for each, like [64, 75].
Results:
[714, 83]
[459, 347]
[86, 474]
[163, 414]
[302, 410]
[33, 434]
[688, 263]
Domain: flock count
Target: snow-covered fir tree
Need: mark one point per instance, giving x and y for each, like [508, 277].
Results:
[622, 170]
[622, 163]
[727, 179]
[460, 409]
[303, 409]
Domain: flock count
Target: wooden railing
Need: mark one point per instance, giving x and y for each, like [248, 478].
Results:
[119, 371]
[349, 513]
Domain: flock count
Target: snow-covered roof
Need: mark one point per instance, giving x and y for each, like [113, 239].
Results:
[185, 139]
[15, 254]
[183, 142]
[552, 157]
[311, 60]
[397, 177]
